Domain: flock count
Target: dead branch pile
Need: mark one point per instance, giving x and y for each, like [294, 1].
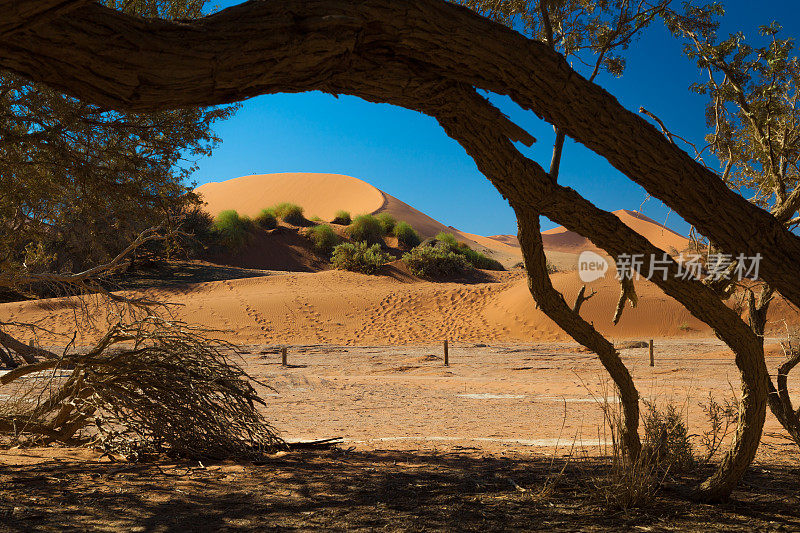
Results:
[153, 386]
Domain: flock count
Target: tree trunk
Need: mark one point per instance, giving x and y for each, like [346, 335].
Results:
[552, 303]
[255, 48]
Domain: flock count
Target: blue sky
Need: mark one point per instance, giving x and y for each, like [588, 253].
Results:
[408, 155]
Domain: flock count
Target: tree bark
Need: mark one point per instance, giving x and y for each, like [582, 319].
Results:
[552, 303]
[266, 47]
[19, 15]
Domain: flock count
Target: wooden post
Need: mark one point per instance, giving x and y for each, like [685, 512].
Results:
[652, 359]
[284, 361]
[446, 354]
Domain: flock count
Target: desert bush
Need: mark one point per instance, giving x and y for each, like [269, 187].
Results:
[324, 238]
[475, 258]
[406, 235]
[342, 218]
[153, 386]
[232, 230]
[266, 219]
[291, 213]
[479, 260]
[359, 257]
[198, 222]
[666, 439]
[551, 268]
[388, 222]
[366, 228]
[721, 419]
[436, 262]
[628, 483]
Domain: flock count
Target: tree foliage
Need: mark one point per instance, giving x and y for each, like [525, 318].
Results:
[78, 181]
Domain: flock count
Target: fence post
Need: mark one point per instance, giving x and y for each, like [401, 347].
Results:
[652, 359]
[284, 361]
[446, 354]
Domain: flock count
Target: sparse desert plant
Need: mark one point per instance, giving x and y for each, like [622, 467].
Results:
[359, 257]
[436, 262]
[628, 483]
[290, 213]
[551, 268]
[475, 258]
[406, 235]
[342, 218]
[266, 219]
[315, 218]
[388, 222]
[685, 327]
[366, 228]
[666, 439]
[231, 229]
[324, 238]
[721, 418]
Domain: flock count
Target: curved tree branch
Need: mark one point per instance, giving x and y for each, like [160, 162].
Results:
[264, 47]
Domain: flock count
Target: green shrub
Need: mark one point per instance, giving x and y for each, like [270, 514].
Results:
[475, 258]
[366, 228]
[388, 222]
[315, 218]
[666, 439]
[324, 238]
[359, 257]
[291, 213]
[266, 219]
[232, 230]
[436, 262]
[449, 239]
[406, 235]
[342, 218]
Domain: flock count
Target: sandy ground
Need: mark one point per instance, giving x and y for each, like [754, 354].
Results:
[498, 398]
[505, 438]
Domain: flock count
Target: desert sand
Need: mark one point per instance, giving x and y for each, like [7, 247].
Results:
[324, 194]
[312, 304]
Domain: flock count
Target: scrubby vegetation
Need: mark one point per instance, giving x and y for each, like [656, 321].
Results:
[406, 236]
[199, 224]
[291, 213]
[232, 230]
[342, 218]
[366, 228]
[666, 448]
[388, 222]
[475, 258]
[266, 219]
[324, 238]
[436, 262]
[359, 257]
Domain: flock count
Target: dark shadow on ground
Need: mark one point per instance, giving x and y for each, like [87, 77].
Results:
[338, 490]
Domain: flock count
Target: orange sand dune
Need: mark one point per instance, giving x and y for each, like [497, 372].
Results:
[348, 308]
[319, 194]
[324, 194]
[561, 239]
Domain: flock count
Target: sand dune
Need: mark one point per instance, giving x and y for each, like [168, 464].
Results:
[319, 194]
[563, 240]
[348, 308]
[324, 194]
